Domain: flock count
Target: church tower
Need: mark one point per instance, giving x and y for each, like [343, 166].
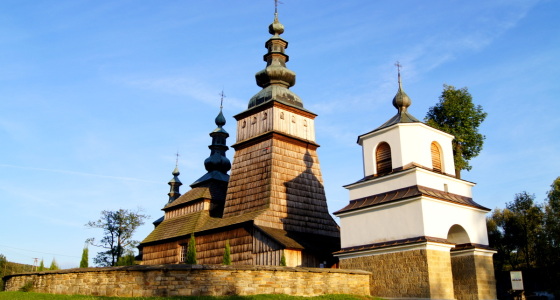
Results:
[272, 209]
[410, 221]
[275, 168]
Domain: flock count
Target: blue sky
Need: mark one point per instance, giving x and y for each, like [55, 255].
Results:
[96, 97]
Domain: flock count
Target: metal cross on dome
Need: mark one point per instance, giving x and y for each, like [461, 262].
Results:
[222, 95]
[399, 66]
[276, 2]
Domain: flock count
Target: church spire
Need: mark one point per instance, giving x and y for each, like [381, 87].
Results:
[217, 164]
[174, 183]
[275, 78]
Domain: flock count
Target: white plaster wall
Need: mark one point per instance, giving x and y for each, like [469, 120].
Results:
[416, 141]
[392, 222]
[439, 216]
[409, 178]
[409, 142]
[408, 219]
[278, 119]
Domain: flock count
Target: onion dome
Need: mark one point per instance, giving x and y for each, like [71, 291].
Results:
[275, 78]
[401, 102]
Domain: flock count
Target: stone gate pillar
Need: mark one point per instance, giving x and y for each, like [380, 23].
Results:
[473, 273]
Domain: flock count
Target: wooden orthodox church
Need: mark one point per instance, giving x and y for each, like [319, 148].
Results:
[273, 205]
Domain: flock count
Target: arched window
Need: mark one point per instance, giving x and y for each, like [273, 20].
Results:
[383, 159]
[436, 157]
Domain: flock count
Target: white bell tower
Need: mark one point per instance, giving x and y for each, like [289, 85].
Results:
[410, 221]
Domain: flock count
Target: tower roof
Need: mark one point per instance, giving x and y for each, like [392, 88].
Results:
[401, 102]
[275, 79]
[217, 164]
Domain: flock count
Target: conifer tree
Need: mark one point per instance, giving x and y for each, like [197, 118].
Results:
[227, 254]
[54, 265]
[283, 260]
[84, 263]
[41, 266]
[191, 251]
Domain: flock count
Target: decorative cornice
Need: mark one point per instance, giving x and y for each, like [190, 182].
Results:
[266, 105]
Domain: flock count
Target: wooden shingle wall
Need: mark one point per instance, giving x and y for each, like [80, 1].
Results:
[165, 253]
[297, 197]
[249, 187]
[210, 247]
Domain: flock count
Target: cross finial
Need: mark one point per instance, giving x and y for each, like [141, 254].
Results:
[276, 2]
[177, 159]
[222, 95]
[399, 66]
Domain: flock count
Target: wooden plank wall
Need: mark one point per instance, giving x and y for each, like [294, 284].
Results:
[265, 250]
[209, 249]
[277, 119]
[194, 207]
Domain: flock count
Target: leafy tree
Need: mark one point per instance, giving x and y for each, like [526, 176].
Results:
[118, 228]
[191, 251]
[227, 254]
[54, 265]
[527, 227]
[517, 233]
[84, 263]
[127, 260]
[456, 114]
[41, 266]
[552, 219]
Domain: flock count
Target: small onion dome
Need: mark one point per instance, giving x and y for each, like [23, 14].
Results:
[401, 101]
[220, 119]
[176, 172]
[276, 28]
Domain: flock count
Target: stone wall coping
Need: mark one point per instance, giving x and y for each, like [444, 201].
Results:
[184, 267]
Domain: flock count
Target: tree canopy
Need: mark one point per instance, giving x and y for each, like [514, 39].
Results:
[526, 235]
[456, 114]
[118, 229]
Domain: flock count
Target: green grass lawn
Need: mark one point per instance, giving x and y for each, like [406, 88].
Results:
[37, 296]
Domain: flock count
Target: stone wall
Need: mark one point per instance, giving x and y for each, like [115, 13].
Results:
[389, 280]
[473, 275]
[188, 280]
[421, 273]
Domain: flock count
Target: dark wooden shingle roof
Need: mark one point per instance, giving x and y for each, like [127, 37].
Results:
[407, 193]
